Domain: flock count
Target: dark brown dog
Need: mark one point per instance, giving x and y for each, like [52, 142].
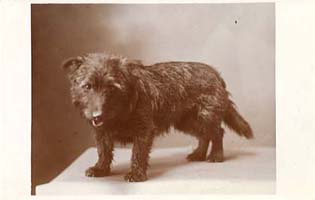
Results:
[127, 102]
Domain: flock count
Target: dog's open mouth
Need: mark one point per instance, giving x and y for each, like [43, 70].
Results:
[97, 121]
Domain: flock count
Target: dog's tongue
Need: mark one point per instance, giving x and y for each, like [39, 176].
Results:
[97, 121]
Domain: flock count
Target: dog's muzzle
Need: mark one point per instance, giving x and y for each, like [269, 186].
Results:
[97, 121]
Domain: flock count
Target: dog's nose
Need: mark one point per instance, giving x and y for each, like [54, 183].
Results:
[96, 114]
[97, 119]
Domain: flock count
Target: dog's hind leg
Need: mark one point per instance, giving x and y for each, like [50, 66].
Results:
[199, 154]
[216, 154]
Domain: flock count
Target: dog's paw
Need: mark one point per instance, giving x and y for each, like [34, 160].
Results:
[96, 172]
[135, 177]
[216, 157]
[195, 157]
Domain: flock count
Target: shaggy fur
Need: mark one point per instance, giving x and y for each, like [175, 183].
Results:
[127, 102]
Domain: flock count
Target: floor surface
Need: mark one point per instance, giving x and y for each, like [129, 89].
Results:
[246, 171]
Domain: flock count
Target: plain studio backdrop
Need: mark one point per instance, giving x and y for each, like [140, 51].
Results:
[237, 39]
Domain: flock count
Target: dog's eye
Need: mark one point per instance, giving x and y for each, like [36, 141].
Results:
[87, 86]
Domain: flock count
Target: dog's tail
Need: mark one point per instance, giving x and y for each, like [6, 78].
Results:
[236, 122]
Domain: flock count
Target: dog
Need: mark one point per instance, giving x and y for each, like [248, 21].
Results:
[127, 102]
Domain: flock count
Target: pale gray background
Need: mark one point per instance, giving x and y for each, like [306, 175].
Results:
[237, 39]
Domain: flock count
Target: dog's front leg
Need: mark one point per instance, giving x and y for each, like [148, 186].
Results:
[140, 157]
[105, 146]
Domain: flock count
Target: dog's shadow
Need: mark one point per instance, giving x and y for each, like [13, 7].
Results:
[160, 165]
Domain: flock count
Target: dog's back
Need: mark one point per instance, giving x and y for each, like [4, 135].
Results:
[185, 94]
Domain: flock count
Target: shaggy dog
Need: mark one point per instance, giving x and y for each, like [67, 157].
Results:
[128, 102]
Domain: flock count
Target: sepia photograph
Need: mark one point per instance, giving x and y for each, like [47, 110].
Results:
[153, 99]
[157, 100]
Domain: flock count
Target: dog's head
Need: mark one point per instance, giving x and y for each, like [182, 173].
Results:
[101, 86]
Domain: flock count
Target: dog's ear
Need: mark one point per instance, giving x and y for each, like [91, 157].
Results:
[130, 70]
[72, 64]
[142, 84]
[133, 99]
